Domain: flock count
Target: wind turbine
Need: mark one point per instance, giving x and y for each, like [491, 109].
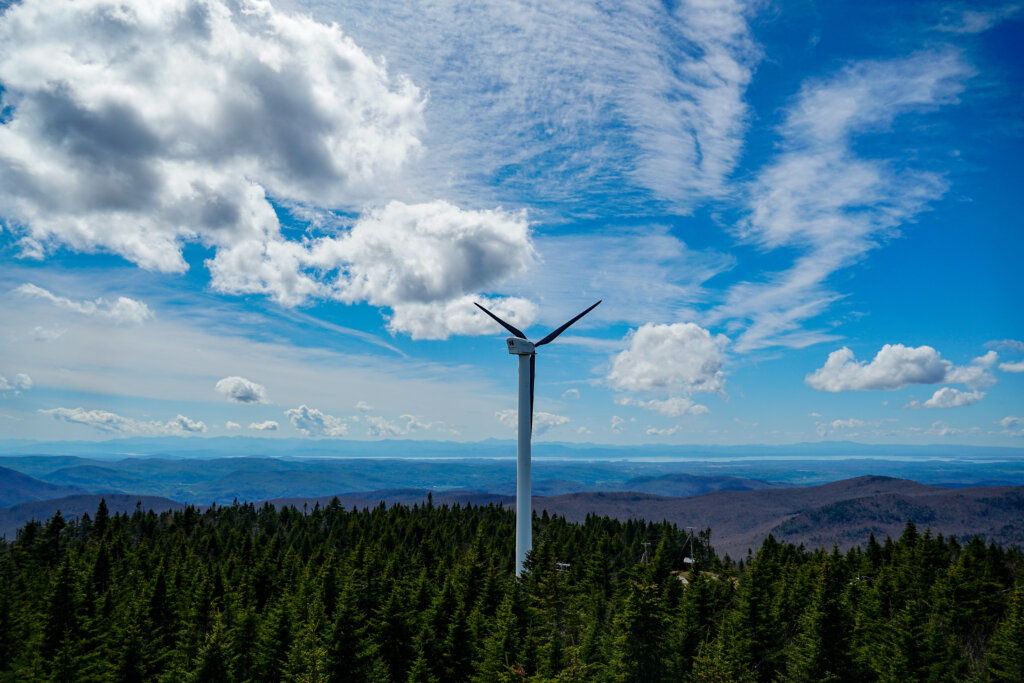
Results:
[519, 345]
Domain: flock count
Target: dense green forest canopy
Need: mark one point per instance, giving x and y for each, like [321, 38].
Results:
[427, 593]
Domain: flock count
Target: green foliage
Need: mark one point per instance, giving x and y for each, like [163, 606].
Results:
[427, 593]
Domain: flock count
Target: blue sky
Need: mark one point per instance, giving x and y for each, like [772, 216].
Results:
[251, 218]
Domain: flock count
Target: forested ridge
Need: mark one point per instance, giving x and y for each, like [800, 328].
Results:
[246, 593]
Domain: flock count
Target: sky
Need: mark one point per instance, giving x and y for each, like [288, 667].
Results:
[244, 218]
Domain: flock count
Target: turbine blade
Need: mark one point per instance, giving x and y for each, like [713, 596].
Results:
[514, 330]
[551, 336]
[533, 375]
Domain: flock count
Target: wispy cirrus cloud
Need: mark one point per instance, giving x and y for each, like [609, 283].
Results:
[822, 197]
[564, 101]
[122, 310]
[106, 421]
[314, 422]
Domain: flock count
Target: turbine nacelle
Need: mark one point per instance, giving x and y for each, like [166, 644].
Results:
[518, 346]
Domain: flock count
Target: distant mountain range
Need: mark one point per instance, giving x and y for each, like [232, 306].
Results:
[740, 512]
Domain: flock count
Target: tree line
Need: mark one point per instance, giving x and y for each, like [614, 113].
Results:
[428, 593]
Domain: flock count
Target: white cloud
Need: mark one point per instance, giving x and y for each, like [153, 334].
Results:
[947, 397]
[400, 254]
[988, 360]
[654, 275]
[20, 382]
[672, 407]
[851, 423]
[459, 316]
[676, 358]
[573, 394]
[106, 421]
[132, 142]
[965, 18]
[47, 334]
[542, 422]
[582, 430]
[565, 100]
[313, 422]
[823, 199]
[232, 425]
[893, 367]
[653, 431]
[241, 390]
[265, 426]
[939, 428]
[1010, 421]
[616, 423]
[1017, 366]
[123, 310]
[182, 424]
[363, 406]
[1011, 345]
[405, 424]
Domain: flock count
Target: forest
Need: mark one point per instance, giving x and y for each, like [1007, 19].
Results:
[428, 593]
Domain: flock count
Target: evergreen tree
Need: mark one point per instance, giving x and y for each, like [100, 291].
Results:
[1006, 658]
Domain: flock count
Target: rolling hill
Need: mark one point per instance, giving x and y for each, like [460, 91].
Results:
[14, 517]
[16, 487]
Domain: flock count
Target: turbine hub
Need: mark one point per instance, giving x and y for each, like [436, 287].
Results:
[520, 347]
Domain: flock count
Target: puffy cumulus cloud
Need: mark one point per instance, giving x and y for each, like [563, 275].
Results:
[182, 424]
[986, 361]
[123, 310]
[106, 421]
[574, 394]
[947, 397]
[241, 390]
[893, 367]
[1010, 421]
[669, 431]
[18, 383]
[163, 122]
[1017, 366]
[265, 426]
[423, 261]
[232, 425]
[616, 423]
[676, 358]
[131, 143]
[542, 422]
[363, 406]
[442, 319]
[675, 406]
[313, 422]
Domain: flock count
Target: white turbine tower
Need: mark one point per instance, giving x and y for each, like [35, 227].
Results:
[519, 345]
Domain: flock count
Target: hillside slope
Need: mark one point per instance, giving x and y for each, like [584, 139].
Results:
[16, 487]
[15, 517]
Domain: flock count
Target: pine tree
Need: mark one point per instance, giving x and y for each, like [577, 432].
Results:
[1006, 657]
